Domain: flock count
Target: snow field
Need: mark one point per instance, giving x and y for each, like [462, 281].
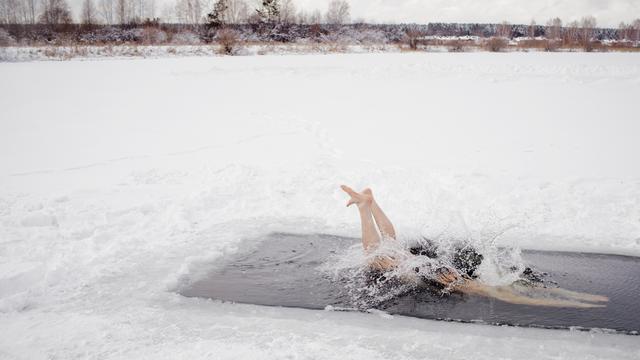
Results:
[121, 179]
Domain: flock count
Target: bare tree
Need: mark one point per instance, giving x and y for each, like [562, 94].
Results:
[532, 29]
[636, 30]
[122, 11]
[11, 12]
[269, 11]
[504, 30]
[89, 13]
[411, 35]
[338, 12]
[218, 16]
[287, 12]
[168, 13]
[587, 27]
[189, 11]
[228, 40]
[302, 17]
[150, 11]
[106, 11]
[136, 7]
[237, 11]
[138, 10]
[29, 7]
[624, 31]
[55, 12]
[554, 29]
[572, 33]
[228, 12]
[315, 17]
[496, 44]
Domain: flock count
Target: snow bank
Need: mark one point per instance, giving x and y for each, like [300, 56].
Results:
[120, 178]
[179, 50]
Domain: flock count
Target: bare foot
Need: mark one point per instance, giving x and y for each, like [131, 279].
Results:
[360, 199]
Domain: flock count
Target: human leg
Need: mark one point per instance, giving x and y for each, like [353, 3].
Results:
[370, 236]
[383, 222]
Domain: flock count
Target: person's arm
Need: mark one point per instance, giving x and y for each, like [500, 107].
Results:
[510, 295]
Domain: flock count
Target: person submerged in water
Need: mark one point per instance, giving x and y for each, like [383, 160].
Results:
[461, 276]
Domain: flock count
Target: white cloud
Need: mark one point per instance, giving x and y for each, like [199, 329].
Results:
[608, 12]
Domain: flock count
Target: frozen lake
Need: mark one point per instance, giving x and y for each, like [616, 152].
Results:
[122, 180]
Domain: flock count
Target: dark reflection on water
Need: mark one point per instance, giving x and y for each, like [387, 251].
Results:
[282, 270]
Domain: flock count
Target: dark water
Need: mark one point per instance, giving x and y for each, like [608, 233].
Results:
[282, 270]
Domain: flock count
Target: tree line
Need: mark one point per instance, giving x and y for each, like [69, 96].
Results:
[132, 12]
[218, 13]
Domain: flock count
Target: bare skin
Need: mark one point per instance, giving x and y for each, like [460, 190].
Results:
[370, 212]
[364, 201]
[371, 215]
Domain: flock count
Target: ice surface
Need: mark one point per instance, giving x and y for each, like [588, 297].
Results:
[120, 178]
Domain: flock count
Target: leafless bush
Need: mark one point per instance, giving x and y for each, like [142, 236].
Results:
[266, 49]
[153, 36]
[554, 29]
[455, 45]
[228, 40]
[337, 47]
[551, 45]
[588, 45]
[338, 12]
[51, 52]
[504, 30]
[185, 38]
[370, 37]
[411, 36]
[6, 39]
[538, 44]
[622, 46]
[588, 24]
[78, 51]
[496, 44]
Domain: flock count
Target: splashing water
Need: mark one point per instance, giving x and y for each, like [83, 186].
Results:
[418, 264]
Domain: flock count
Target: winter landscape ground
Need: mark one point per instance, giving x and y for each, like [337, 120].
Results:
[122, 179]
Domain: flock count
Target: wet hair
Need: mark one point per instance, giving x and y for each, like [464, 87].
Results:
[425, 248]
[465, 258]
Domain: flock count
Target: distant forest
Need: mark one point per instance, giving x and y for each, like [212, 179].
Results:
[51, 22]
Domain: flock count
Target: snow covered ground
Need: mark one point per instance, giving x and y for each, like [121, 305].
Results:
[120, 179]
[94, 52]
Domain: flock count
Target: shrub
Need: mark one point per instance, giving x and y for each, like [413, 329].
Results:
[551, 45]
[411, 36]
[228, 40]
[186, 38]
[368, 37]
[6, 39]
[496, 44]
[588, 45]
[455, 45]
[153, 36]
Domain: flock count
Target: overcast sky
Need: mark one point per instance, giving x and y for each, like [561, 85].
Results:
[607, 12]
